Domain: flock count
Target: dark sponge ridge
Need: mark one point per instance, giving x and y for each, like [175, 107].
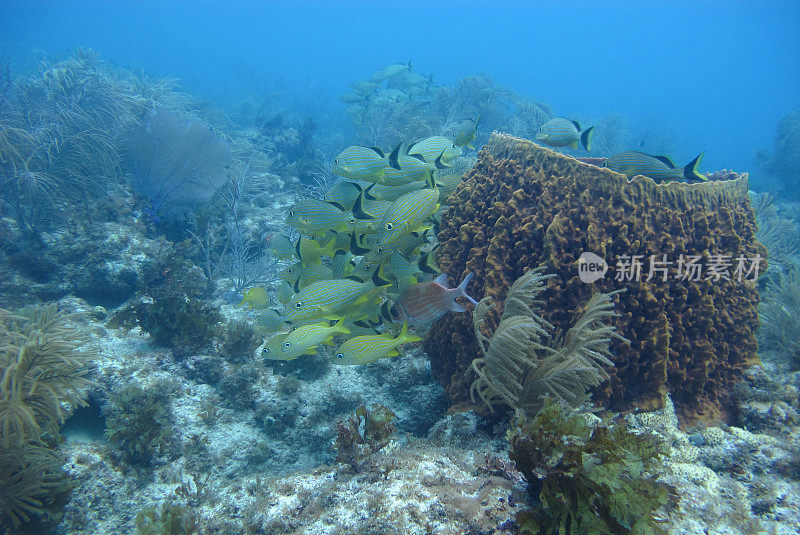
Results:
[522, 205]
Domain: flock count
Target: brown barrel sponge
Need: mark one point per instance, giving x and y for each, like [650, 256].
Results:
[522, 205]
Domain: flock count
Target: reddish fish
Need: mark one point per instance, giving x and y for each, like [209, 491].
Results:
[424, 303]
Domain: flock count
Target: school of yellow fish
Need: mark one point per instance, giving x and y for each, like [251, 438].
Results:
[357, 273]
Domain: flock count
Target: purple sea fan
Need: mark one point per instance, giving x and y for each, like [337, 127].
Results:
[176, 165]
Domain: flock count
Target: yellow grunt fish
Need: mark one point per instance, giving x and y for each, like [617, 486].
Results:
[368, 349]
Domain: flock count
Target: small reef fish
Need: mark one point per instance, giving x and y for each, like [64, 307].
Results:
[389, 71]
[309, 251]
[659, 168]
[343, 193]
[392, 193]
[560, 132]
[435, 147]
[466, 132]
[364, 163]
[270, 321]
[284, 292]
[281, 247]
[256, 298]
[368, 349]
[315, 215]
[413, 168]
[324, 297]
[408, 214]
[424, 303]
[303, 340]
[300, 275]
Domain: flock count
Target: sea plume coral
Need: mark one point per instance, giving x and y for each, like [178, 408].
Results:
[43, 374]
[525, 358]
[780, 314]
[43, 369]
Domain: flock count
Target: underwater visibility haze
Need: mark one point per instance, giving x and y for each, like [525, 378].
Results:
[419, 268]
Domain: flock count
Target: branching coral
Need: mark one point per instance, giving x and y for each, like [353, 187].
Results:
[588, 479]
[43, 376]
[780, 314]
[524, 359]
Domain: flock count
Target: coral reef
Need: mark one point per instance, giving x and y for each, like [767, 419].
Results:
[780, 315]
[588, 478]
[523, 205]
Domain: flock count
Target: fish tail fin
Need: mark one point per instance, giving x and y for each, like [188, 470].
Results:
[462, 288]
[427, 264]
[405, 337]
[393, 157]
[386, 311]
[431, 181]
[340, 328]
[378, 278]
[439, 163]
[367, 192]
[690, 171]
[355, 247]
[358, 208]
[586, 138]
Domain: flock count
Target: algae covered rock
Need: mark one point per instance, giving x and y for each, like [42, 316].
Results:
[691, 333]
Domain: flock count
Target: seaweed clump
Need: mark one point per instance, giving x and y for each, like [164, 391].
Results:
[139, 422]
[585, 478]
[43, 373]
[525, 358]
[366, 431]
[170, 307]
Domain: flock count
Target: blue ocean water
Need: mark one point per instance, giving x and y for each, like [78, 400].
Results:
[716, 76]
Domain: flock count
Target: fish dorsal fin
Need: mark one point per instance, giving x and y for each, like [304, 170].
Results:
[356, 279]
[336, 205]
[577, 125]
[418, 157]
[368, 192]
[386, 311]
[377, 278]
[296, 286]
[666, 160]
[297, 249]
[355, 247]
[358, 208]
[663, 159]
[441, 280]
[378, 151]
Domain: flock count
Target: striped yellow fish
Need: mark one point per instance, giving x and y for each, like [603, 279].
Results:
[413, 168]
[465, 133]
[392, 193]
[314, 215]
[659, 168]
[281, 247]
[435, 147]
[324, 297]
[343, 193]
[269, 321]
[407, 214]
[303, 340]
[309, 251]
[560, 132]
[368, 349]
[256, 298]
[300, 275]
[364, 163]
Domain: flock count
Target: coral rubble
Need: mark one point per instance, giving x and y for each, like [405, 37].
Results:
[523, 205]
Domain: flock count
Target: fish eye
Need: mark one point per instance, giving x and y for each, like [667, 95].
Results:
[290, 270]
[291, 213]
[287, 344]
[367, 267]
[352, 220]
[389, 226]
[380, 249]
[298, 305]
[339, 356]
[265, 351]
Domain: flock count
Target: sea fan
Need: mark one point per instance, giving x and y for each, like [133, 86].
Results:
[525, 358]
